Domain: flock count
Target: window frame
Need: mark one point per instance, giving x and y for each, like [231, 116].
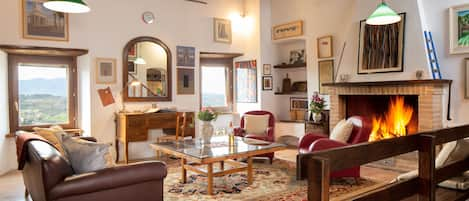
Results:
[228, 64]
[14, 60]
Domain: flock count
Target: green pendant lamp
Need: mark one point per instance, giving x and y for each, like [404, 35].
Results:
[67, 6]
[383, 15]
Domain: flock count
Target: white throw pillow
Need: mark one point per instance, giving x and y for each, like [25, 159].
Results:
[342, 131]
[451, 152]
[256, 124]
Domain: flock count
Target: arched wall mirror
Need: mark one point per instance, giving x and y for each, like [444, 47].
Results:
[147, 70]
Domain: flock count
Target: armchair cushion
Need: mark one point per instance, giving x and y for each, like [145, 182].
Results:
[110, 178]
[86, 156]
[53, 135]
[256, 124]
[342, 131]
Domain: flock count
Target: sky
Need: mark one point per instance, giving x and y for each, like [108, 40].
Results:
[29, 72]
[214, 80]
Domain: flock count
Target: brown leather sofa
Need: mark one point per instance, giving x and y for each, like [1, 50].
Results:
[48, 176]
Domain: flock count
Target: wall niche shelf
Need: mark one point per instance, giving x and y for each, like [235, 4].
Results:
[292, 93]
[286, 66]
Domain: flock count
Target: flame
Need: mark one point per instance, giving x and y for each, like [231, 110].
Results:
[394, 122]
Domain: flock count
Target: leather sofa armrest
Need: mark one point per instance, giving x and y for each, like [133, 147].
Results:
[110, 178]
[308, 139]
[325, 144]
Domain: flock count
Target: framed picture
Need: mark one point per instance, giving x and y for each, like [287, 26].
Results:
[267, 69]
[267, 84]
[459, 29]
[105, 71]
[185, 81]
[297, 57]
[288, 30]
[222, 30]
[326, 74]
[43, 24]
[325, 47]
[246, 81]
[132, 67]
[298, 104]
[381, 48]
[466, 83]
[185, 56]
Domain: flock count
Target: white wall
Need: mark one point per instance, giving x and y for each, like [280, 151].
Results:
[341, 20]
[112, 23]
[7, 145]
[452, 66]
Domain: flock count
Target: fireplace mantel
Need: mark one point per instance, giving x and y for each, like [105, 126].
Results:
[432, 98]
[387, 83]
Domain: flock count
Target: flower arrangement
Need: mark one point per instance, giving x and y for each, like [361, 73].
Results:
[317, 104]
[207, 114]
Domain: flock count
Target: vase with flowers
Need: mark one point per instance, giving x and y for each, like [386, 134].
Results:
[316, 106]
[206, 115]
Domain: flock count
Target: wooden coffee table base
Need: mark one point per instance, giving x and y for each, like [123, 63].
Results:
[210, 174]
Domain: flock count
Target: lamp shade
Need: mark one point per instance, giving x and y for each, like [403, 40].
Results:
[67, 6]
[383, 15]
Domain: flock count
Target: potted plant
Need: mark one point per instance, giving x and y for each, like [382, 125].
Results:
[206, 115]
[316, 106]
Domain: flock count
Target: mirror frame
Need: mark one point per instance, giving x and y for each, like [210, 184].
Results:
[125, 73]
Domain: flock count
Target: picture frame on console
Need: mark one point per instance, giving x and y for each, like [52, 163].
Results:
[381, 48]
[459, 29]
[41, 23]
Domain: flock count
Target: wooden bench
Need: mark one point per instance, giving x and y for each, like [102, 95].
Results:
[316, 167]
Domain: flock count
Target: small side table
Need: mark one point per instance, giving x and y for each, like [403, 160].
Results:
[317, 127]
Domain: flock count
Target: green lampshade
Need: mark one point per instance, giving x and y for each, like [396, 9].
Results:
[67, 6]
[383, 15]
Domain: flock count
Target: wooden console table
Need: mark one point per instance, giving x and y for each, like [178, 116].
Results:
[134, 127]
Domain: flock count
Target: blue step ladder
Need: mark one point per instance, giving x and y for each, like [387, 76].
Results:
[433, 59]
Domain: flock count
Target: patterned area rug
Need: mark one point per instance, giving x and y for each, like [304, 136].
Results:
[271, 183]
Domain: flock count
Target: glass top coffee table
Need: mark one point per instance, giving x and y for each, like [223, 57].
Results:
[220, 150]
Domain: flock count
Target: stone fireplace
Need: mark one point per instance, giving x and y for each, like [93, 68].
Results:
[429, 99]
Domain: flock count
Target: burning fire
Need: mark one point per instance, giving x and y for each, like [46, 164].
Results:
[393, 123]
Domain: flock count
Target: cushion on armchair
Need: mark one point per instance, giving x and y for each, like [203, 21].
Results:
[342, 131]
[256, 124]
[53, 135]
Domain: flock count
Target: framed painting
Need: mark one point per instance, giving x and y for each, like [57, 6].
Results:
[246, 81]
[459, 29]
[105, 71]
[222, 30]
[297, 56]
[326, 74]
[287, 30]
[185, 56]
[325, 47]
[381, 48]
[298, 104]
[267, 84]
[185, 81]
[267, 69]
[43, 24]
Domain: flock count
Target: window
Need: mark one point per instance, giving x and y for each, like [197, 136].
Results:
[42, 92]
[217, 84]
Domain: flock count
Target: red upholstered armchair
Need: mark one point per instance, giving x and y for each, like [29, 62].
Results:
[269, 135]
[314, 142]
